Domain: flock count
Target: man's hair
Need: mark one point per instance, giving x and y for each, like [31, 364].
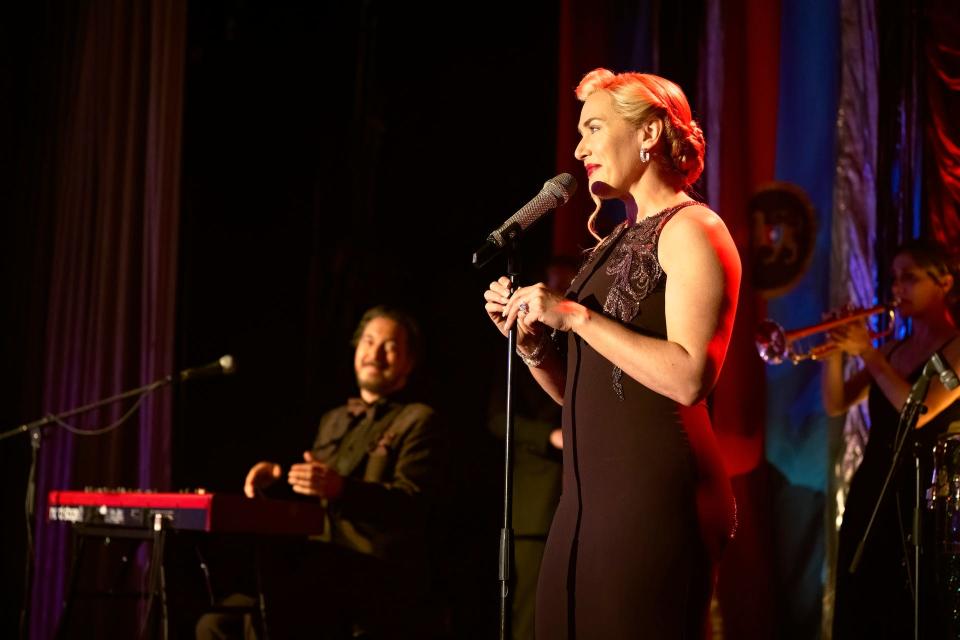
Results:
[410, 328]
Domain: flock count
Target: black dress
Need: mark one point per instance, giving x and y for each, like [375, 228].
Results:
[876, 602]
[646, 504]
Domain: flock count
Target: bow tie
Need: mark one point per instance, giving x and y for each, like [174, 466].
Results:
[356, 407]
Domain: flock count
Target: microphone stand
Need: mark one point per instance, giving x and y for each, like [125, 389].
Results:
[913, 407]
[506, 533]
[35, 429]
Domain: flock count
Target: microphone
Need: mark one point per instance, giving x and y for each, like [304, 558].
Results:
[222, 367]
[555, 192]
[948, 377]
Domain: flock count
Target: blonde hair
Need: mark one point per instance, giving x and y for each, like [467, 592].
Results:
[638, 97]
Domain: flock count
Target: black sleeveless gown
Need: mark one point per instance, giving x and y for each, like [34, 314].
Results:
[876, 602]
[646, 504]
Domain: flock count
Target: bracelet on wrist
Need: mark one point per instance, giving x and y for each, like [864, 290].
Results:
[536, 357]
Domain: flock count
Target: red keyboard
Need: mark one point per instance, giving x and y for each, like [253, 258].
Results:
[214, 512]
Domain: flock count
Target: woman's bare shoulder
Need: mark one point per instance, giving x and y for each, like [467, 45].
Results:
[696, 229]
[697, 219]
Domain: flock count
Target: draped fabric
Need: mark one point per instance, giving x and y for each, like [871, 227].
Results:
[898, 169]
[619, 36]
[591, 36]
[836, 91]
[877, 199]
[853, 238]
[797, 428]
[941, 30]
[110, 326]
[711, 93]
[740, 110]
[741, 137]
[900, 132]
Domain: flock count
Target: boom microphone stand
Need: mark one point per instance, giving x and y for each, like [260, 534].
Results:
[505, 568]
[506, 239]
[223, 366]
[511, 249]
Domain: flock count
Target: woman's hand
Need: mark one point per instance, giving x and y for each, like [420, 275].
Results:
[536, 307]
[503, 313]
[497, 296]
[503, 306]
[853, 338]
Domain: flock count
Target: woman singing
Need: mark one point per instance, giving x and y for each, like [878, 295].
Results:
[877, 600]
[646, 505]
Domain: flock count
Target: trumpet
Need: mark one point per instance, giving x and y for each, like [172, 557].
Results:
[776, 345]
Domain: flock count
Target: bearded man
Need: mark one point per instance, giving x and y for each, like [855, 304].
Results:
[378, 464]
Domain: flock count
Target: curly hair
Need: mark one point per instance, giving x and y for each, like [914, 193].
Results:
[638, 97]
[641, 96]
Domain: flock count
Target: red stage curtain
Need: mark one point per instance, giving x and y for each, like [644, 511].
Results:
[740, 157]
[747, 152]
[942, 49]
[585, 43]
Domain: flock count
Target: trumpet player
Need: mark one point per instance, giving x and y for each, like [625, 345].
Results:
[877, 600]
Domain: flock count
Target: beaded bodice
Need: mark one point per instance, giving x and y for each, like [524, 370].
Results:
[635, 267]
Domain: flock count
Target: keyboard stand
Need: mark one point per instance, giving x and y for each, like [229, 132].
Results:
[156, 593]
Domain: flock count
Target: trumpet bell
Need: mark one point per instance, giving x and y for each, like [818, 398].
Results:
[771, 341]
[776, 345]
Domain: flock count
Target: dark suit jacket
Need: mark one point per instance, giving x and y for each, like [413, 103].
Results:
[392, 456]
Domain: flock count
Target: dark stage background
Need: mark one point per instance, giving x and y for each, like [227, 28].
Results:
[181, 179]
[334, 158]
[335, 155]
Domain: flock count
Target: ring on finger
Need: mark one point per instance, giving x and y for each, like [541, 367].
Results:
[524, 308]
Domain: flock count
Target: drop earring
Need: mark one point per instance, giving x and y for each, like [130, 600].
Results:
[644, 155]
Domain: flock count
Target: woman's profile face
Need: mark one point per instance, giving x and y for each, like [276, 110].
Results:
[914, 287]
[609, 148]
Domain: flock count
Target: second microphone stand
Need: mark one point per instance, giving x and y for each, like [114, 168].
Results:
[35, 430]
[223, 366]
[912, 409]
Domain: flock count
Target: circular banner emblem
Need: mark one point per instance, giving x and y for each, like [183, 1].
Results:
[783, 233]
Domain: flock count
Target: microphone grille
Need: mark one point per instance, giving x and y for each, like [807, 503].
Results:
[556, 191]
[228, 364]
[562, 186]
